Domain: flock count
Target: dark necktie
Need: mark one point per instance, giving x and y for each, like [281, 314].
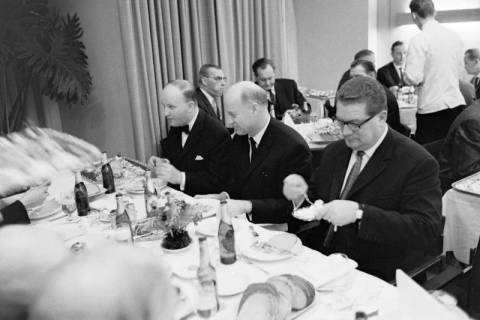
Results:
[184, 129]
[476, 82]
[253, 147]
[352, 176]
[271, 100]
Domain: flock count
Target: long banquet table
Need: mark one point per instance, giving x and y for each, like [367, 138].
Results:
[342, 289]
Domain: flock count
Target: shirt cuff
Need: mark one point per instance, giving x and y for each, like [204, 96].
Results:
[183, 181]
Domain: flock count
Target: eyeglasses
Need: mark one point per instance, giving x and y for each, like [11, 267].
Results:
[353, 126]
[218, 78]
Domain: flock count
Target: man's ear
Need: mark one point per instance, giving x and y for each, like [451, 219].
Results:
[254, 107]
[191, 105]
[383, 115]
[202, 80]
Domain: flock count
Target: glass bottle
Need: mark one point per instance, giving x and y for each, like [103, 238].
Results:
[208, 304]
[81, 195]
[122, 224]
[226, 236]
[150, 195]
[107, 175]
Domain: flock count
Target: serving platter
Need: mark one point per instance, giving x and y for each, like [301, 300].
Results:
[470, 184]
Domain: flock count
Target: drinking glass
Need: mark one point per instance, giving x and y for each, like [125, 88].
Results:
[69, 206]
[123, 234]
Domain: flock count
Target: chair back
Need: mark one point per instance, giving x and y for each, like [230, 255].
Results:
[434, 147]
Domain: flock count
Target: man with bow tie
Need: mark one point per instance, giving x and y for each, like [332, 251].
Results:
[195, 146]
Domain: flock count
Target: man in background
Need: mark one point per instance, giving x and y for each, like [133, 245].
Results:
[211, 82]
[366, 68]
[391, 74]
[434, 63]
[460, 154]
[195, 146]
[283, 94]
[363, 54]
[472, 65]
[380, 189]
[262, 153]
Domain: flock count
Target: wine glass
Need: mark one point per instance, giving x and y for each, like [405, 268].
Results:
[69, 206]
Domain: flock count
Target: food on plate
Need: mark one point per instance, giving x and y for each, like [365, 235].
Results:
[260, 301]
[281, 244]
[276, 298]
[304, 292]
[309, 213]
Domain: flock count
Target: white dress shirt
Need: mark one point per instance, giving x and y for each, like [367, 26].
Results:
[366, 157]
[435, 62]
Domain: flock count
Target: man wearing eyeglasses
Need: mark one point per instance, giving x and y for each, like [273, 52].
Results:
[211, 83]
[381, 189]
[283, 94]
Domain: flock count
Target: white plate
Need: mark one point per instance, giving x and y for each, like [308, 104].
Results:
[208, 227]
[48, 209]
[232, 279]
[258, 255]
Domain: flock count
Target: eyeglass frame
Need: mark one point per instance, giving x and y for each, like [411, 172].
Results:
[356, 126]
[217, 78]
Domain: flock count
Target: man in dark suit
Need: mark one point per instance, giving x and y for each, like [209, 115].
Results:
[195, 145]
[283, 94]
[472, 65]
[391, 74]
[211, 83]
[381, 189]
[262, 153]
[366, 68]
[460, 154]
[364, 54]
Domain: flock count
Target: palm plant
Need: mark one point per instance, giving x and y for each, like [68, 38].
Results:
[40, 50]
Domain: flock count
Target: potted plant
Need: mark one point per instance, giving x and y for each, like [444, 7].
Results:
[40, 52]
[177, 214]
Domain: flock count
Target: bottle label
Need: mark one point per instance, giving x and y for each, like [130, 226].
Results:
[226, 238]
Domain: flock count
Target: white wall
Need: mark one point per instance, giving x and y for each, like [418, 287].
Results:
[105, 120]
[329, 33]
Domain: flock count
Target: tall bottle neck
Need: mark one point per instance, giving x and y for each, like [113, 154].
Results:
[120, 204]
[204, 253]
[224, 214]
[104, 158]
[78, 177]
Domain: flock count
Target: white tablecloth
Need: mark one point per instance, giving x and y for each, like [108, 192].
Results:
[462, 225]
[354, 289]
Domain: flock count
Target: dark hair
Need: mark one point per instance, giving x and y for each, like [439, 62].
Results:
[363, 89]
[262, 63]
[187, 89]
[367, 65]
[396, 44]
[362, 54]
[203, 72]
[473, 53]
[423, 8]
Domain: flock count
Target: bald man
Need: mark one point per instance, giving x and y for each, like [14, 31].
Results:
[262, 153]
[27, 255]
[195, 145]
[111, 283]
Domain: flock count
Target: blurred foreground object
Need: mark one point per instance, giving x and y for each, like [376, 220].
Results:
[31, 156]
[27, 254]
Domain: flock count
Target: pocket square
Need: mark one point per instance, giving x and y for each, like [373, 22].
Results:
[198, 158]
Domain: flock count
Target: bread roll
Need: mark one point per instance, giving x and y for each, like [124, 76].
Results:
[260, 301]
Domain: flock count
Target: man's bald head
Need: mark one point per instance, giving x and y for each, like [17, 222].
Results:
[247, 107]
[27, 255]
[109, 283]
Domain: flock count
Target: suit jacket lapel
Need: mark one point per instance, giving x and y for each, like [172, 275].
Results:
[204, 101]
[195, 133]
[339, 170]
[394, 72]
[263, 149]
[375, 165]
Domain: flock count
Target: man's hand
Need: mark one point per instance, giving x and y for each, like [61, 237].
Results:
[339, 212]
[34, 196]
[216, 196]
[168, 173]
[295, 188]
[394, 89]
[238, 207]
